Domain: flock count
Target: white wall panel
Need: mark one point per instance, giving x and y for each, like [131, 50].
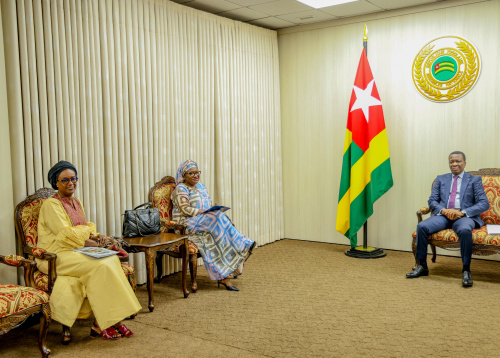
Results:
[317, 70]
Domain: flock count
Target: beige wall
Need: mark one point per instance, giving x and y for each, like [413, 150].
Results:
[318, 64]
[7, 237]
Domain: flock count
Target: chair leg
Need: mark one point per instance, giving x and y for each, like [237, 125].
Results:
[133, 284]
[132, 281]
[433, 248]
[414, 250]
[159, 265]
[193, 268]
[44, 327]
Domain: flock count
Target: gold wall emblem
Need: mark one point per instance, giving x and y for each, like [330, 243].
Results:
[446, 68]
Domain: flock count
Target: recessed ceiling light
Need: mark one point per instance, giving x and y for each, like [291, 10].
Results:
[317, 4]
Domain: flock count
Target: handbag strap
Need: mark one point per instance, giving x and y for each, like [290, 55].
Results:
[137, 223]
[140, 206]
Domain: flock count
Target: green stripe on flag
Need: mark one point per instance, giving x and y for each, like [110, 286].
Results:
[381, 179]
[351, 156]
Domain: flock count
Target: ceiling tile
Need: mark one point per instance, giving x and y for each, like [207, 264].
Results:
[272, 23]
[243, 14]
[281, 7]
[213, 6]
[250, 2]
[351, 9]
[306, 17]
[397, 4]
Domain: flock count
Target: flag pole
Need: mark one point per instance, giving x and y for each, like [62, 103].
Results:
[365, 225]
[365, 252]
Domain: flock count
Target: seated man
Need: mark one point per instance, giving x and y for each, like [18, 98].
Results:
[456, 201]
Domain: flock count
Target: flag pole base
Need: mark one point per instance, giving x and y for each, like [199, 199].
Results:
[360, 252]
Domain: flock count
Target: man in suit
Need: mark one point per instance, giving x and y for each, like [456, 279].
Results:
[456, 201]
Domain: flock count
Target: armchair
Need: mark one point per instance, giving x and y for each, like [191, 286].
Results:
[17, 303]
[482, 243]
[26, 218]
[159, 196]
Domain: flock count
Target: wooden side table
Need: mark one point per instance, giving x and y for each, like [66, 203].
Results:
[161, 241]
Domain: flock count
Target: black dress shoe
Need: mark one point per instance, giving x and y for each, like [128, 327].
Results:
[419, 271]
[467, 279]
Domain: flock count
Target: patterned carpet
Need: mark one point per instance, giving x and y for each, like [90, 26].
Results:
[304, 299]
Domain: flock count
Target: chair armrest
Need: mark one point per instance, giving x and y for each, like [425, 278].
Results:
[174, 225]
[29, 267]
[44, 255]
[422, 211]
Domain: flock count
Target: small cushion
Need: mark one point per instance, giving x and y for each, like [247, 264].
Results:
[14, 298]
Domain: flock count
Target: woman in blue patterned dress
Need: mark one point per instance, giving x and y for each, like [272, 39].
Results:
[223, 248]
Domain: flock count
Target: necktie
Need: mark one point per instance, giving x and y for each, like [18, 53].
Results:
[453, 195]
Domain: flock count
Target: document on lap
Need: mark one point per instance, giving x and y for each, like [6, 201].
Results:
[493, 229]
[217, 207]
[96, 252]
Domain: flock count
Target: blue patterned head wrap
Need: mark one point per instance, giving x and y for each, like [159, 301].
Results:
[183, 168]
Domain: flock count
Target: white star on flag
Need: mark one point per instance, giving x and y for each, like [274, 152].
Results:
[364, 100]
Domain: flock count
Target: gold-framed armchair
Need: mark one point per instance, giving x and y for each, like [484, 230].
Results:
[483, 244]
[18, 303]
[160, 197]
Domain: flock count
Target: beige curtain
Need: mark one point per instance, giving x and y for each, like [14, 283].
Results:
[126, 90]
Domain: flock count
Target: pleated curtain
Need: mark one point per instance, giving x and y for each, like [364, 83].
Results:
[126, 90]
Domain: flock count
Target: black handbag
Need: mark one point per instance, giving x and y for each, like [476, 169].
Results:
[141, 222]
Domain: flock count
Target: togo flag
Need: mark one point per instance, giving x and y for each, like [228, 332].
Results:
[366, 165]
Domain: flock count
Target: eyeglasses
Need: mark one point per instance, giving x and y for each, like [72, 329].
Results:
[193, 174]
[66, 181]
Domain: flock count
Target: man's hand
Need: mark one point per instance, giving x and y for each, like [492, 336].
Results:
[452, 214]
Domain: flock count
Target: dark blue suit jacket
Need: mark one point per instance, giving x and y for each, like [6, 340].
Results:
[473, 199]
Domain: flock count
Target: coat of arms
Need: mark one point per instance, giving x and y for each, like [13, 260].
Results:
[446, 68]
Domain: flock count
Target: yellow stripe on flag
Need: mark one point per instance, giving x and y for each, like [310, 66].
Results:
[348, 140]
[376, 154]
[343, 214]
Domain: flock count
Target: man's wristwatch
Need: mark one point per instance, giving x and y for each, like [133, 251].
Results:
[464, 212]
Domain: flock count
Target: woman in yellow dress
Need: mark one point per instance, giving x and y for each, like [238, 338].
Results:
[84, 284]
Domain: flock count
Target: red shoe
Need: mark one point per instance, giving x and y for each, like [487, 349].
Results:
[108, 333]
[124, 331]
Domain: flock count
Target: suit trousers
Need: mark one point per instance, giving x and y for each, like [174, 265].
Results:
[463, 228]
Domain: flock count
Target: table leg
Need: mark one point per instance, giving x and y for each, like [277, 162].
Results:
[150, 272]
[184, 249]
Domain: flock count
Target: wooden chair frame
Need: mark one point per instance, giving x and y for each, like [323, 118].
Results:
[12, 321]
[171, 227]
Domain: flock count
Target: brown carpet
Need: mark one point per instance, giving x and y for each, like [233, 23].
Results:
[304, 299]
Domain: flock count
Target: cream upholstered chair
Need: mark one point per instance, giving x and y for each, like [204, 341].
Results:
[17, 303]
